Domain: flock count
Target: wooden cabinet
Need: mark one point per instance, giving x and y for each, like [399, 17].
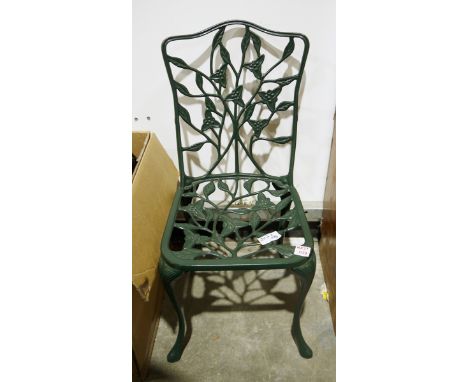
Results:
[328, 232]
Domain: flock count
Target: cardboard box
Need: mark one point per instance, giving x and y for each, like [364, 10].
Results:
[154, 184]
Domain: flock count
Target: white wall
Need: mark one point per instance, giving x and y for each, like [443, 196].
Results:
[155, 20]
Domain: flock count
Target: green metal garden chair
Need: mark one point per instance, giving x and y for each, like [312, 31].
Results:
[238, 103]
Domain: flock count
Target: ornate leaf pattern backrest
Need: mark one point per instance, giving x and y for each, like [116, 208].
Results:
[230, 103]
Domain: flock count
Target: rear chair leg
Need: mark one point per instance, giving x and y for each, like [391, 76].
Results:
[306, 274]
[168, 275]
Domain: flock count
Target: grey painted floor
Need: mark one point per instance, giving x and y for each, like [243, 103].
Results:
[241, 325]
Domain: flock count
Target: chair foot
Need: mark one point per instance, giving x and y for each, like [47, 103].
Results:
[168, 275]
[306, 274]
[175, 354]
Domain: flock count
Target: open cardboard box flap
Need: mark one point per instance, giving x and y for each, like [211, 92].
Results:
[153, 187]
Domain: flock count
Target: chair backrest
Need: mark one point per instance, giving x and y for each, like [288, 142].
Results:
[231, 100]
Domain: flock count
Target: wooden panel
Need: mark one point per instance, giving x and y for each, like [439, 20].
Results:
[328, 231]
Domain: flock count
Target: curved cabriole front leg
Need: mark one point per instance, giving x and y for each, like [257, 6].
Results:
[168, 275]
[306, 274]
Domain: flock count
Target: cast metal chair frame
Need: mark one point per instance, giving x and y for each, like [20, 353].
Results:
[207, 229]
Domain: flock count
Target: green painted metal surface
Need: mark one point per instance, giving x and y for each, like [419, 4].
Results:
[222, 235]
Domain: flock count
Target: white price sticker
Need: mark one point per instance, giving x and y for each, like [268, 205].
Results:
[302, 250]
[269, 237]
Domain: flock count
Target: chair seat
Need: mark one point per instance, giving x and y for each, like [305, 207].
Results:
[216, 223]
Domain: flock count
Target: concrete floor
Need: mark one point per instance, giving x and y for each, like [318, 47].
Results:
[241, 325]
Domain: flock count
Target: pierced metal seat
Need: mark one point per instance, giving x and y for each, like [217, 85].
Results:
[221, 214]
